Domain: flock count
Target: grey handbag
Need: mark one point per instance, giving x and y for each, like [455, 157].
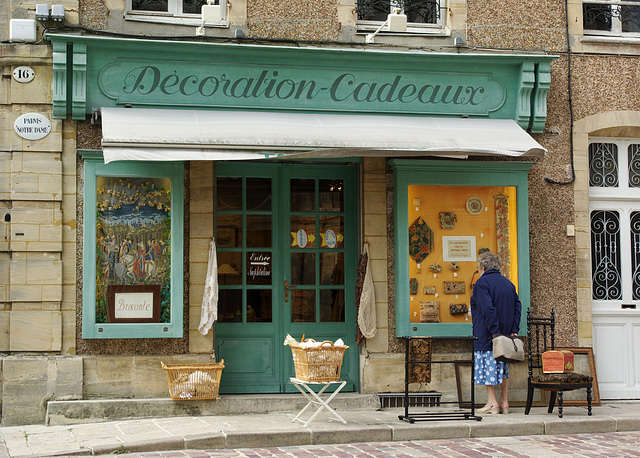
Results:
[508, 349]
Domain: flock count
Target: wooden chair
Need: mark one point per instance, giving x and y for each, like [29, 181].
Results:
[541, 337]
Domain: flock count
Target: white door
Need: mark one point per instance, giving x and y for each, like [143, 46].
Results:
[614, 197]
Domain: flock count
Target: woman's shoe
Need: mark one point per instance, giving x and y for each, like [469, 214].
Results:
[494, 409]
[504, 410]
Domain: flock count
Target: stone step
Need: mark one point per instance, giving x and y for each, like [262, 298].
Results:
[97, 410]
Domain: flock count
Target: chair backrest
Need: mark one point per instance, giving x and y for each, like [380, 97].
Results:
[541, 334]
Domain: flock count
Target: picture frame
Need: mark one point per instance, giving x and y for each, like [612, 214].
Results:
[458, 248]
[586, 352]
[133, 303]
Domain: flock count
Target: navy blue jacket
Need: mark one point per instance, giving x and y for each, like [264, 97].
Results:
[495, 309]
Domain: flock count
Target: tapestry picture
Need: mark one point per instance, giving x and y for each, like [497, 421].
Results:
[133, 238]
[420, 240]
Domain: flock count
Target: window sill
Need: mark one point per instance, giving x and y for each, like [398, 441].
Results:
[610, 39]
[190, 22]
[411, 32]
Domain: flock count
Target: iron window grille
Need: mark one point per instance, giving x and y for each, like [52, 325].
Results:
[611, 17]
[420, 13]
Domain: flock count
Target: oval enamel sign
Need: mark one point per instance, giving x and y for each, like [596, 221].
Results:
[32, 126]
[23, 74]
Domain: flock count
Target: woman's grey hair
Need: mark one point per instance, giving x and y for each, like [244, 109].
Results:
[489, 261]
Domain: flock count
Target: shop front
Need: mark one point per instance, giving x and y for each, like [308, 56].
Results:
[271, 152]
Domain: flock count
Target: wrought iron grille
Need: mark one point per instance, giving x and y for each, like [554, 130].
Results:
[417, 11]
[604, 15]
[634, 165]
[603, 165]
[605, 255]
[635, 253]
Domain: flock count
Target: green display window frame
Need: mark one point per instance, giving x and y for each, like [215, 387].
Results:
[94, 167]
[407, 173]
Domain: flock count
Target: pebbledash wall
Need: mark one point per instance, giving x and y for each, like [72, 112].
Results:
[41, 188]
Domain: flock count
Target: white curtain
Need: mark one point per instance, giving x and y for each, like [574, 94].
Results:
[367, 310]
[209, 312]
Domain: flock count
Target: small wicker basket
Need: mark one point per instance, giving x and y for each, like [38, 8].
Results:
[193, 381]
[318, 364]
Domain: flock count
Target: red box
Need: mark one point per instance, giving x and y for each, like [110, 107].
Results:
[557, 362]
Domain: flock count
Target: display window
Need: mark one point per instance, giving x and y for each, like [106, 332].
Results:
[446, 214]
[132, 269]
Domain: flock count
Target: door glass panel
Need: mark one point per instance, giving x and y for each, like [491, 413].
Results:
[635, 254]
[229, 231]
[303, 195]
[229, 268]
[259, 194]
[332, 231]
[603, 165]
[303, 268]
[259, 305]
[303, 305]
[259, 268]
[605, 255]
[258, 231]
[634, 165]
[331, 195]
[303, 231]
[230, 305]
[332, 268]
[229, 192]
[332, 305]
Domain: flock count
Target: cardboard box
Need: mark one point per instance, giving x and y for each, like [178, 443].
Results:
[557, 362]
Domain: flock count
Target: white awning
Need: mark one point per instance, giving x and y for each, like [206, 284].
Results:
[137, 134]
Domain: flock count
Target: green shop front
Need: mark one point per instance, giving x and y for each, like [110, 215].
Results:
[282, 140]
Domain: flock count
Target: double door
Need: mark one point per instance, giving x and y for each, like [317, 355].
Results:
[287, 253]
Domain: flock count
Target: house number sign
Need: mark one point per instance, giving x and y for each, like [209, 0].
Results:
[23, 74]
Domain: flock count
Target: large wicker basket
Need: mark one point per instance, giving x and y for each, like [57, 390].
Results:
[193, 381]
[318, 364]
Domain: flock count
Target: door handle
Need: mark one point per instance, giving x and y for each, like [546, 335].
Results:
[286, 290]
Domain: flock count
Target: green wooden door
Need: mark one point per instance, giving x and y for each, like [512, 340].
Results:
[287, 254]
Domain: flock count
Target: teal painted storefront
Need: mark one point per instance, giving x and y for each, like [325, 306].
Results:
[94, 72]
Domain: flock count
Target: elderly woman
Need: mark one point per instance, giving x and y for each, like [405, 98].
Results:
[495, 309]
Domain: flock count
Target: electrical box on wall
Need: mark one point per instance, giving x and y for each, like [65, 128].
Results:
[213, 14]
[22, 30]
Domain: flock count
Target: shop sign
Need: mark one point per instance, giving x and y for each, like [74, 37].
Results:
[32, 126]
[23, 74]
[133, 303]
[252, 86]
[259, 265]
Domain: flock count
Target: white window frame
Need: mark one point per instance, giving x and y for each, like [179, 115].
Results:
[412, 27]
[174, 15]
[616, 24]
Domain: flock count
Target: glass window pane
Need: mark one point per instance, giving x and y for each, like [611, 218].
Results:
[259, 268]
[303, 268]
[603, 165]
[230, 305]
[303, 231]
[193, 6]
[259, 231]
[229, 231]
[133, 237]
[332, 305]
[596, 17]
[259, 194]
[331, 195]
[229, 193]
[229, 267]
[634, 165]
[630, 18]
[303, 195]
[332, 268]
[259, 305]
[422, 11]
[150, 5]
[303, 305]
[332, 231]
[605, 255]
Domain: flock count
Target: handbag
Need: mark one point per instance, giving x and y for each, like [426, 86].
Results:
[473, 281]
[508, 349]
[429, 311]
[458, 309]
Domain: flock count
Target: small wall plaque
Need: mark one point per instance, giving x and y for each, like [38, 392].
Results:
[133, 303]
[453, 287]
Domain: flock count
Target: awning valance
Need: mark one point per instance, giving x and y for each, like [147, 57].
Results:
[135, 134]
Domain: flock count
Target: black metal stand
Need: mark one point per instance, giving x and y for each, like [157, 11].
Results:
[431, 416]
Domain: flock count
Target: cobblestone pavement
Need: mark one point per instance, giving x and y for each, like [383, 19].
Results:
[609, 445]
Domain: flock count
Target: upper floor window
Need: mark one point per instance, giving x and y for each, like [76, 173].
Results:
[188, 12]
[421, 14]
[611, 17]
[614, 164]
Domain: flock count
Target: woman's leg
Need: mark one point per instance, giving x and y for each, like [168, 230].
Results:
[504, 393]
[492, 400]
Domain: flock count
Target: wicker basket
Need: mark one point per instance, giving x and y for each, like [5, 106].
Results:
[193, 381]
[318, 364]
